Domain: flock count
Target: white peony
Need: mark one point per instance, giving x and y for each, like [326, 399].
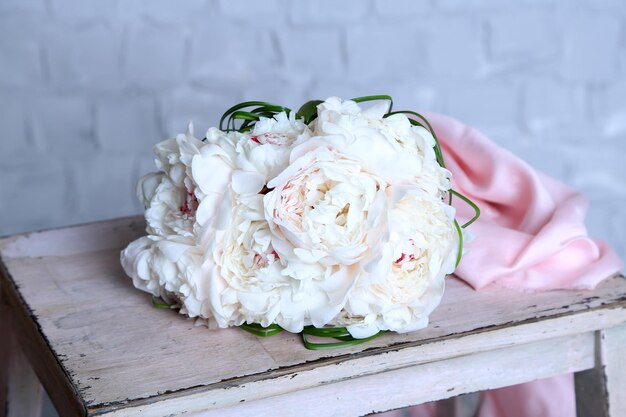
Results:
[170, 268]
[421, 250]
[212, 170]
[416, 140]
[169, 195]
[342, 223]
[246, 287]
[355, 133]
[186, 201]
[189, 187]
[264, 152]
[325, 208]
[256, 282]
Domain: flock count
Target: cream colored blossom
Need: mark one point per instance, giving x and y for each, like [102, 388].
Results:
[186, 201]
[342, 222]
[246, 287]
[264, 152]
[170, 268]
[421, 251]
[325, 208]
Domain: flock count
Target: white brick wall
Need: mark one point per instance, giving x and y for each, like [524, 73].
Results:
[87, 86]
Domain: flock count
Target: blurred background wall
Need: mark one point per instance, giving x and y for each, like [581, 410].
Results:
[86, 87]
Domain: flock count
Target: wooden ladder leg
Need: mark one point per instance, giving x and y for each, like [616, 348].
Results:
[601, 391]
[460, 406]
[21, 392]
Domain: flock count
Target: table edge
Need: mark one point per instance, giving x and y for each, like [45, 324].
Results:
[38, 350]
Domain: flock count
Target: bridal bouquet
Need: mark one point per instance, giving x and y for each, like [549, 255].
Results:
[332, 221]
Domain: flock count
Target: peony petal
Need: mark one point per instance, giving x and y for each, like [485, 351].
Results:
[377, 111]
[172, 250]
[246, 182]
[211, 170]
[363, 331]
[146, 187]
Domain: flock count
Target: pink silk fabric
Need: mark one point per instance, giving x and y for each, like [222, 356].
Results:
[530, 237]
[531, 233]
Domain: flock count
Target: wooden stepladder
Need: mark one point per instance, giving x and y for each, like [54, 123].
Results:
[72, 322]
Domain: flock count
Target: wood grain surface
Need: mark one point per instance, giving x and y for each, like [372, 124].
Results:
[122, 356]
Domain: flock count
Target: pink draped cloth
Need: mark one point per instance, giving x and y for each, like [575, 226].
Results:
[531, 233]
[530, 236]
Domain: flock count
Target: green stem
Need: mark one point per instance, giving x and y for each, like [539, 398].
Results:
[333, 345]
[459, 255]
[471, 204]
[326, 331]
[261, 107]
[159, 303]
[375, 98]
[258, 330]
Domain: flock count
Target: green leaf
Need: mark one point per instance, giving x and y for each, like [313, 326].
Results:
[326, 331]
[238, 107]
[412, 121]
[345, 342]
[308, 111]
[459, 255]
[375, 98]
[244, 115]
[267, 107]
[159, 303]
[258, 330]
[471, 204]
[261, 111]
[337, 333]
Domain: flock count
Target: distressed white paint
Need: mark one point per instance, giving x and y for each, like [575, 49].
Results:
[75, 240]
[124, 357]
[422, 383]
[614, 360]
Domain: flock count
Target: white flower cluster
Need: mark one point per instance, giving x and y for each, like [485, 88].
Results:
[338, 223]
